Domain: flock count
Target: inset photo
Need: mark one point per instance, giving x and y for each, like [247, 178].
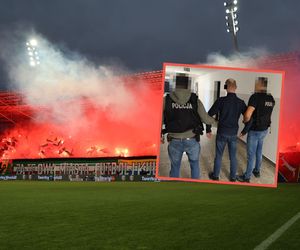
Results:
[220, 125]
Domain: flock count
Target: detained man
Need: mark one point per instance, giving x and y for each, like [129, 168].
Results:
[229, 109]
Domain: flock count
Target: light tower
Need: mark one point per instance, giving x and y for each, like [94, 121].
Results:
[231, 21]
[33, 54]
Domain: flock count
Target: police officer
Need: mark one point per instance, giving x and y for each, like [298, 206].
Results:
[183, 116]
[258, 116]
[229, 109]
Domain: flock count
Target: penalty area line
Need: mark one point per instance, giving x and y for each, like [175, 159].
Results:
[274, 236]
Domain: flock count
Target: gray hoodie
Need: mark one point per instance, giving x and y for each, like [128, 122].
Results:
[181, 96]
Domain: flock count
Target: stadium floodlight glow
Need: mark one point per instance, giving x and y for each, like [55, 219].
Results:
[231, 20]
[33, 42]
[33, 54]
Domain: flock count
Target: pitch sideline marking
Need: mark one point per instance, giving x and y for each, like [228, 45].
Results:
[274, 236]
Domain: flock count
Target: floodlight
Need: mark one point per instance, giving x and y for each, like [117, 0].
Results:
[231, 20]
[33, 42]
[32, 51]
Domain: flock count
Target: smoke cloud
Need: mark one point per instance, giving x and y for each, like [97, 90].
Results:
[246, 59]
[85, 105]
[64, 78]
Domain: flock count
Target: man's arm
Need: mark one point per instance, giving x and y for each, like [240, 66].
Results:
[248, 113]
[246, 127]
[251, 107]
[204, 115]
[213, 111]
[215, 108]
[248, 124]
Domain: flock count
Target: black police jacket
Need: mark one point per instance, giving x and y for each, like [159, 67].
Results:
[179, 118]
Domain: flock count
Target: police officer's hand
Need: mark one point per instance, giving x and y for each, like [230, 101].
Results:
[209, 135]
[241, 135]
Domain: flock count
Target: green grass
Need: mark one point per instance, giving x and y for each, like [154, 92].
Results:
[87, 215]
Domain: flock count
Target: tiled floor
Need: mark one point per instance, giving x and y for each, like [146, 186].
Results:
[207, 162]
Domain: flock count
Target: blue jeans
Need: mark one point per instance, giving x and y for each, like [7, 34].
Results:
[255, 141]
[176, 148]
[221, 142]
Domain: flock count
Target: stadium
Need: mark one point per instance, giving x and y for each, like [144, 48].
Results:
[53, 141]
[128, 214]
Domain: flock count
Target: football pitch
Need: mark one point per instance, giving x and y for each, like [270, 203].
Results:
[125, 215]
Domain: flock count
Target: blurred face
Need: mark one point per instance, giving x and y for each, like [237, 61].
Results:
[181, 85]
[259, 86]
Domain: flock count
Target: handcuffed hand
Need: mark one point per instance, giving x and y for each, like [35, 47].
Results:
[209, 135]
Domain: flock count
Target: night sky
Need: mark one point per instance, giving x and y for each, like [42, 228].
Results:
[141, 35]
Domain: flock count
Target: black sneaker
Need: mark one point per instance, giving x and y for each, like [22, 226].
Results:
[256, 173]
[242, 178]
[212, 176]
[232, 179]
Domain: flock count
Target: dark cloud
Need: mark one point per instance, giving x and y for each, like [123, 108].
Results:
[143, 34]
